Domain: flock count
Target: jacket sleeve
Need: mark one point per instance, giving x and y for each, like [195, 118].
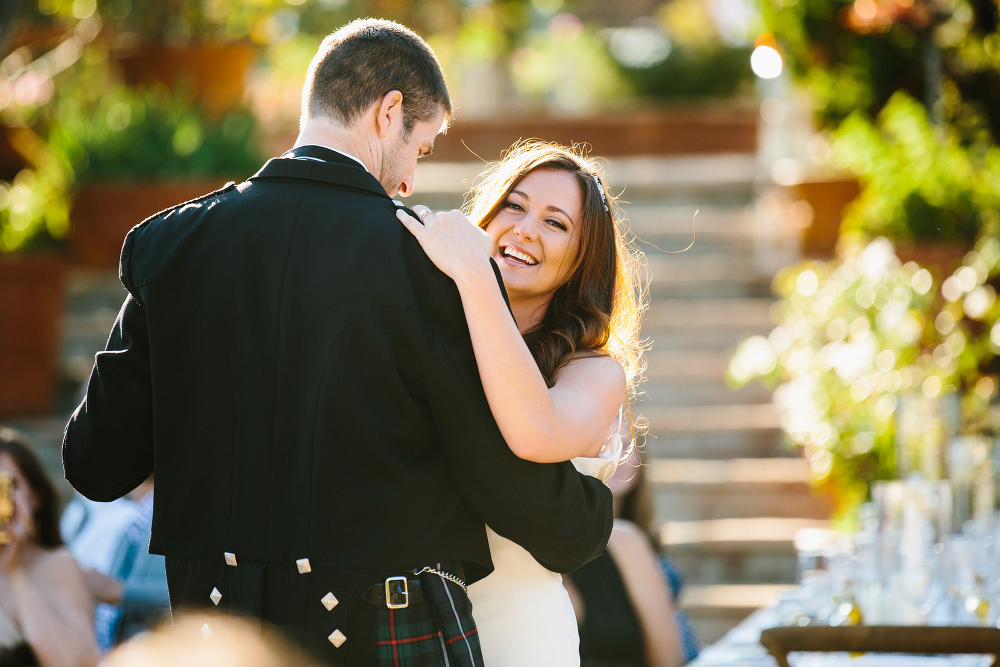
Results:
[108, 444]
[561, 517]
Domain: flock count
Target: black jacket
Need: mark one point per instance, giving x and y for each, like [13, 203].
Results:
[301, 379]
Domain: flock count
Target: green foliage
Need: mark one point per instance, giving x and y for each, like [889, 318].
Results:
[695, 63]
[566, 66]
[853, 56]
[134, 135]
[693, 73]
[848, 339]
[34, 205]
[855, 338]
[919, 183]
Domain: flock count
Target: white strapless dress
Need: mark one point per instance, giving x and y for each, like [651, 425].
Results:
[522, 612]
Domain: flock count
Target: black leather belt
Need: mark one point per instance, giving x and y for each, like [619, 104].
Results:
[395, 593]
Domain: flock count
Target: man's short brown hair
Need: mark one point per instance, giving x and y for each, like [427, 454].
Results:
[366, 59]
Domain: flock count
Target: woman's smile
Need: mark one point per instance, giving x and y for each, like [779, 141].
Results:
[516, 256]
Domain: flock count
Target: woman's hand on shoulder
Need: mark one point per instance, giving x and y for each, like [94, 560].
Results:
[456, 246]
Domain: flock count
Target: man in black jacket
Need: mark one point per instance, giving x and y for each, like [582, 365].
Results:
[301, 379]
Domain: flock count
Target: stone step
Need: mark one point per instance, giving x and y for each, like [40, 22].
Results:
[686, 365]
[702, 393]
[88, 289]
[93, 299]
[739, 598]
[665, 419]
[709, 275]
[677, 231]
[749, 568]
[715, 609]
[753, 550]
[790, 471]
[716, 445]
[699, 489]
[729, 314]
[735, 536]
[705, 324]
[718, 221]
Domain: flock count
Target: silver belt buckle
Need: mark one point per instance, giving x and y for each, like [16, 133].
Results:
[405, 593]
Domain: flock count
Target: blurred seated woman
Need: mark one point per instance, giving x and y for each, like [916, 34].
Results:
[625, 599]
[46, 614]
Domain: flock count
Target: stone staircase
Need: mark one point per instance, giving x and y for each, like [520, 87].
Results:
[729, 496]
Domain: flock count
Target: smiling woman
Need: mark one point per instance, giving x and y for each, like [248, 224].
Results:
[599, 304]
[558, 375]
[46, 611]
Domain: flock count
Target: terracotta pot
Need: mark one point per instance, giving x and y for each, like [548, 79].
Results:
[215, 72]
[940, 258]
[31, 299]
[650, 132]
[827, 200]
[103, 213]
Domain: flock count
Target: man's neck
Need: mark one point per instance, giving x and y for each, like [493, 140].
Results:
[321, 132]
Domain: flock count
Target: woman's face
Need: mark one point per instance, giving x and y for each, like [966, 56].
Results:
[24, 496]
[535, 235]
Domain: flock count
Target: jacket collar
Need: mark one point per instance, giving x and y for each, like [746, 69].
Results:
[336, 170]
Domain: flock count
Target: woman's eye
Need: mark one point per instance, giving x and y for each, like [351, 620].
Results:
[513, 205]
[557, 224]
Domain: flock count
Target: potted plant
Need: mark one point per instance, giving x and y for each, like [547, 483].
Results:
[854, 56]
[572, 82]
[138, 152]
[850, 58]
[855, 338]
[849, 339]
[34, 207]
[815, 206]
[206, 46]
[920, 186]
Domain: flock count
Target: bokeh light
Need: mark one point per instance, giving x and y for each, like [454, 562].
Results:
[765, 62]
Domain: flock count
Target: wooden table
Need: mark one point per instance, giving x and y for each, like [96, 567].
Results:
[740, 647]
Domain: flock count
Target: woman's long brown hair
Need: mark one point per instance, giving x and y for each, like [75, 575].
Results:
[46, 517]
[598, 310]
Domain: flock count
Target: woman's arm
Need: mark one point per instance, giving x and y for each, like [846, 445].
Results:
[55, 611]
[649, 592]
[539, 424]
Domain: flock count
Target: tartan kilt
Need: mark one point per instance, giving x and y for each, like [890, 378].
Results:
[439, 633]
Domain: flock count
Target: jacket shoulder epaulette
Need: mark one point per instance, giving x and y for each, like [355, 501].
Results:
[225, 188]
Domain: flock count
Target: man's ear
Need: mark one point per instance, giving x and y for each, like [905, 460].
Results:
[390, 114]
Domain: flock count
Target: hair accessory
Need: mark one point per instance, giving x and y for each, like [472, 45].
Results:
[600, 188]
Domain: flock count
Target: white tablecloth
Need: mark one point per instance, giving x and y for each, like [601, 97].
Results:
[741, 648]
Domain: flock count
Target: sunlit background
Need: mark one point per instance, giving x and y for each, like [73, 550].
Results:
[834, 329]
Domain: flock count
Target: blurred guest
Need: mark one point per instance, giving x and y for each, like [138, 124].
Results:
[46, 614]
[625, 599]
[144, 599]
[92, 530]
[208, 640]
